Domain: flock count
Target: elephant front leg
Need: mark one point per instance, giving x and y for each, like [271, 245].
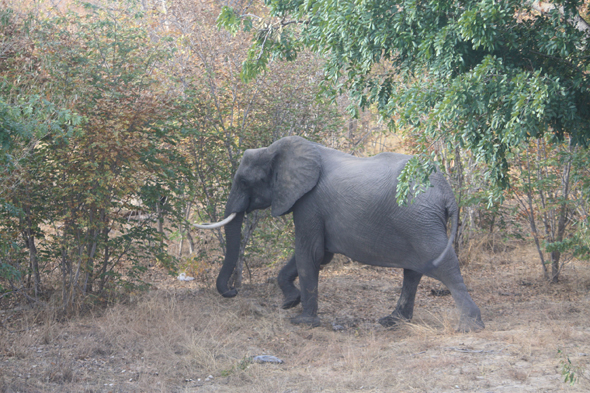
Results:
[405, 305]
[286, 279]
[309, 256]
[308, 280]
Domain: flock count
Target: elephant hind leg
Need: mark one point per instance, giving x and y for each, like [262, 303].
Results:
[449, 274]
[405, 305]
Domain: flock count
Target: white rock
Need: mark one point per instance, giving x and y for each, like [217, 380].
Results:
[267, 359]
[184, 277]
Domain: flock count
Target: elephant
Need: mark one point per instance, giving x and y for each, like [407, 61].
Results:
[347, 205]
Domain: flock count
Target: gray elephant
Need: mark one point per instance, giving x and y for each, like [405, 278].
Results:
[345, 204]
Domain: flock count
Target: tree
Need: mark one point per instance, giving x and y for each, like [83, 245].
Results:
[550, 191]
[471, 82]
[81, 179]
[219, 116]
[119, 121]
[482, 74]
[26, 118]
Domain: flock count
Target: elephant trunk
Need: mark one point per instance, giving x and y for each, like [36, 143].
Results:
[233, 232]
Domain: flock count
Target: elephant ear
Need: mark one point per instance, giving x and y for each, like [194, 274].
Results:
[296, 170]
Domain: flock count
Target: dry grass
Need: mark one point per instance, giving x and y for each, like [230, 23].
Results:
[173, 338]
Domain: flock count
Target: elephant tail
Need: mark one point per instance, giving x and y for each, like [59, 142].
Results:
[453, 211]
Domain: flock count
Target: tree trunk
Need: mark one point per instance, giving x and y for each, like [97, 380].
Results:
[563, 216]
[29, 238]
[33, 262]
[105, 260]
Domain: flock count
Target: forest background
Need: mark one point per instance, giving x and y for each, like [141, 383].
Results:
[123, 122]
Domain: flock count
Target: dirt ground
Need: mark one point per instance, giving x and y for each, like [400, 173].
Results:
[184, 337]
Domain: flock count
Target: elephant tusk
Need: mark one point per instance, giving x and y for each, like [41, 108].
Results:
[216, 224]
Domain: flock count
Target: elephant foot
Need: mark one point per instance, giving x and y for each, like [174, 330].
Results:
[306, 320]
[290, 303]
[467, 325]
[392, 321]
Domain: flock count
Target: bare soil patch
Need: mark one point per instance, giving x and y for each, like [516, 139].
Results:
[184, 337]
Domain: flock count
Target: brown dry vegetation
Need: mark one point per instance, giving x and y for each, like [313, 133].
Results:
[177, 335]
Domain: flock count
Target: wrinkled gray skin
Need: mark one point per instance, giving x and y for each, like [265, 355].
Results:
[345, 204]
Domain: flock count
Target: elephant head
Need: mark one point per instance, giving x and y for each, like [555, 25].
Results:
[275, 176]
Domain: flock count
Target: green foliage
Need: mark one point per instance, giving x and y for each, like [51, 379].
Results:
[242, 365]
[569, 372]
[221, 116]
[273, 242]
[488, 75]
[31, 118]
[550, 188]
[229, 20]
[116, 127]
[272, 41]
[9, 252]
[472, 85]
[414, 179]
[81, 173]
